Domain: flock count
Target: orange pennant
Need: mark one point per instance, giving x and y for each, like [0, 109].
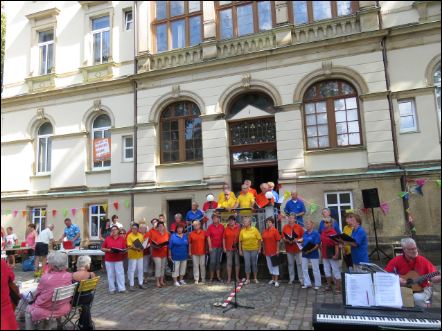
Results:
[23, 213]
[84, 210]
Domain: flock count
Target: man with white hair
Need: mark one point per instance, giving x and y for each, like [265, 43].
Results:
[297, 207]
[194, 214]
[45, 238]
[410, 260]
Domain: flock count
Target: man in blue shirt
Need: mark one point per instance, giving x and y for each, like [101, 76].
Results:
[297, 207]
[72, 232]
[193, 215]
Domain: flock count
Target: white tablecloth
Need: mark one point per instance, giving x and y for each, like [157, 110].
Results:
[90, 252]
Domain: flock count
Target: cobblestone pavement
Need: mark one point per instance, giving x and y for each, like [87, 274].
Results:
[191, 306]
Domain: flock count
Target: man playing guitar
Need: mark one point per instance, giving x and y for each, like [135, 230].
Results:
[409, 265]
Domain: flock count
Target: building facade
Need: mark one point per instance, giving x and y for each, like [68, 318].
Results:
[138, 108]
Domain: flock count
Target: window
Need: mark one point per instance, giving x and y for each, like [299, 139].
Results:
[44, 148]
[407, 113]
[177, 24]
[38, 215]
[181, 138]
[128, 20]
[239, 18]
[436, 82]
[331, 115]
[101, 39]
[97, 215]
[101, 142]
[128, 148]
[302, 12]
[46, 50]
[338, 203]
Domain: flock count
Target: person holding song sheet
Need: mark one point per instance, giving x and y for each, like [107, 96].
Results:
[271, 239]
[214, 234]
[249, 247]
[178, 253]
[230, 246]
[290, 233]
[330, 256]
[114, 248]
[411, 265]
[261, 199]
[135, 255]
[197, 250]
[146, 251]
[310, 246]
[159, 239]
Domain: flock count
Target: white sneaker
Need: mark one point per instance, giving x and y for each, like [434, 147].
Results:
[271, 282]
[196, 282]
[182, 282]
[316, 288]
[276, 284]
[291, 282]
[305, 286]
[177, 284]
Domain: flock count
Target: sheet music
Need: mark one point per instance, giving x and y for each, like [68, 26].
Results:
[359, 290]
[387, 290]
[280, 200]
[299, 245]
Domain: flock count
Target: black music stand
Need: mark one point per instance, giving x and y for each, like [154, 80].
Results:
[377, 249]
[235, 304]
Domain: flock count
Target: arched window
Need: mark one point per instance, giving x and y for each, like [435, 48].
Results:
[331, 115]
[436, 82]
[44, 148]
[304, 12]
[177, 24]
[181, 133]
[239, 18]
[101, 141]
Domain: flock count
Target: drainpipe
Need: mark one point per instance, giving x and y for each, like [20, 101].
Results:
[134, 85]
[403, 177]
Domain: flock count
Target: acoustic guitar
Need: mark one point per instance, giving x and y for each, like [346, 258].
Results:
[414, 279]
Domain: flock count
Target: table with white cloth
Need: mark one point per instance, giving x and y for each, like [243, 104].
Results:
[93, 253]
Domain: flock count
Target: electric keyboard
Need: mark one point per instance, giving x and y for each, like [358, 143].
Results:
[336, 316]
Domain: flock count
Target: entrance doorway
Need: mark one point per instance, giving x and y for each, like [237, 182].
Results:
[175, 207]
[257, 175]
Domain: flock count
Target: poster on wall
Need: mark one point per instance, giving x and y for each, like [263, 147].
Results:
[102, 151]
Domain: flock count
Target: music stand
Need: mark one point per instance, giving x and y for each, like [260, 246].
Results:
[377, 249]
[235, 304]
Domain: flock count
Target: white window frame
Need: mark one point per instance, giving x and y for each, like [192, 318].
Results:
[100, 31]
[436, 86]
[46, 45]
[338, 204]
[37, 219]
[98, 215]
[413, 114]
[102, 130]
[125, 148]
[126, 21]
[45, 169]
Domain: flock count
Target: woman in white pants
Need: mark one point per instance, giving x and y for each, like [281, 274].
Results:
[290, 233]
[330, 256]
[178, 253]
[135, 256]
[271, 239]
[114, 247]
[197, 250]
[310, 253]
[146, 252]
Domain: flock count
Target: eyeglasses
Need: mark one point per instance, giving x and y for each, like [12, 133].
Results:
[327, 222]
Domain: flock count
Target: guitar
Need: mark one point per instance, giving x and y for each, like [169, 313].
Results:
[414, 279]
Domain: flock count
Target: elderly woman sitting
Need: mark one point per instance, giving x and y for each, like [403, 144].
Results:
[83, 266]
[57, 276]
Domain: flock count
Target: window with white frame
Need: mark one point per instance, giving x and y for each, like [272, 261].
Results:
[97, 215]
[38, 215]
[44, 148]
[407, 113]
[101, 142]
[338, 203]
[101, 39]
[46, 50]
[128, 148]
[436, 82]
[128, 20]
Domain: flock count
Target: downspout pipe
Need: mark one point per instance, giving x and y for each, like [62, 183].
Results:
[403, 177]
[135, 105]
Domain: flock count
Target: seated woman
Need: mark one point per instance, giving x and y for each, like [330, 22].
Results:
[82, 273]
[57, 276]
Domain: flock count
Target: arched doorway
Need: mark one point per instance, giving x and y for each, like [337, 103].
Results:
[252, 139]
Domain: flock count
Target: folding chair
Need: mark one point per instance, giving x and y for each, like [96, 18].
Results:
[60, 293]
[83, 298]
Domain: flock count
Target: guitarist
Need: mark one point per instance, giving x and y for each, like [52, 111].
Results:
[410, 260]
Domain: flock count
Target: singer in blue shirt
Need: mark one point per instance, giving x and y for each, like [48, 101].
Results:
[193, 215]
[297, 207]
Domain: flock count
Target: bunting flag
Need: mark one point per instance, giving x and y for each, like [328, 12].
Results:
[43, 212]
[65, 212]
[54, 212]
[287, 195]
[126, 203]
[421, 182]
[349, 211]
[438, 183]
[84, 210]
[116, 205]
[364, 211]
[8, 211]
[385, 207]
[14, 213]
[105, 207]
[404, 195]
[418, 189]
[74, 211]
[313, 207]
[23, 213]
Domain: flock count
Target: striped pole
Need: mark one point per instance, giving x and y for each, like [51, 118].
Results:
[232, 294]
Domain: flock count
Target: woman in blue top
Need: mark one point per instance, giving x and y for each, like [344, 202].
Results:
[311, 238]
[178, 254]
[326, 217]
[359, 248]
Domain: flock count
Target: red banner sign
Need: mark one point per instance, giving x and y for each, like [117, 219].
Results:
[102, 149]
